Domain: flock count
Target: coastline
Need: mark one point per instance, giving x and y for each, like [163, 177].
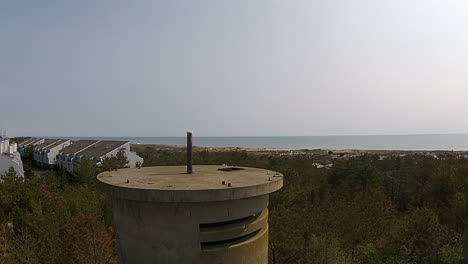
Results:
[433, 142]
[311, 152]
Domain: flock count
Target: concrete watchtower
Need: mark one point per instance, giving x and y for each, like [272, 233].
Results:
[215, 215]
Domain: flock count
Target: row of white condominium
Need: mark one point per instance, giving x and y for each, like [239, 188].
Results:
[66, 154]
[9, 157]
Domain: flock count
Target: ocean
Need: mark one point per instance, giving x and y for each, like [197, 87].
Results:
[456, 142]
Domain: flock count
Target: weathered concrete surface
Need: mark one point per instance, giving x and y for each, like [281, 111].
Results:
[173, 184]
[195, 220]
[253, 251]
[234, 230]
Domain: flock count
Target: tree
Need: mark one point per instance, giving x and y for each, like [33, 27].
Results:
[86, 171]
[28, 154]
[420, 238]
[355, 173]
[9, 174]
[293, 241]
[37, 214]
[116, 162]
[3, 243]
[21, 247]
[28, 173]
[87, 241]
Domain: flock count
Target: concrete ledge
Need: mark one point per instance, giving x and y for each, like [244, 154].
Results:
[172, 184]
[235, 230]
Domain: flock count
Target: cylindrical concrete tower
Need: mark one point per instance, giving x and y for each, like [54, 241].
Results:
[215, 215]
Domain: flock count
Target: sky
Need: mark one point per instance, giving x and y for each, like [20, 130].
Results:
[233, 68]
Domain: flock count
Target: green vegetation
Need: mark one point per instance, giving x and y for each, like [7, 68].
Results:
[57, 218]
[364, 209]
[53, 219]
[113, 163]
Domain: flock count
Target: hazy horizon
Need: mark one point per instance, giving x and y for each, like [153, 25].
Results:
[443, 142]
[183, 135]
[232, 68]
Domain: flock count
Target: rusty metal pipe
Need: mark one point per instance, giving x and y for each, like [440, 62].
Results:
[189, 153]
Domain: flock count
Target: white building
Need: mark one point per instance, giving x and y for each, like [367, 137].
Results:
[46, 154]
[67, 157]
[30, 142]
[10, 158]
[96, 151]
[37, 147]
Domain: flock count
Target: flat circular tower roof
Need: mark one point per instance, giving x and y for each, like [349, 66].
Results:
[205, 184]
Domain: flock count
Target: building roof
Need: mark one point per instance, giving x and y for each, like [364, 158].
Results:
[102, 148]
[77, 146]
[47, 142]
[55, 144]
[32, 141]
[29, 141]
